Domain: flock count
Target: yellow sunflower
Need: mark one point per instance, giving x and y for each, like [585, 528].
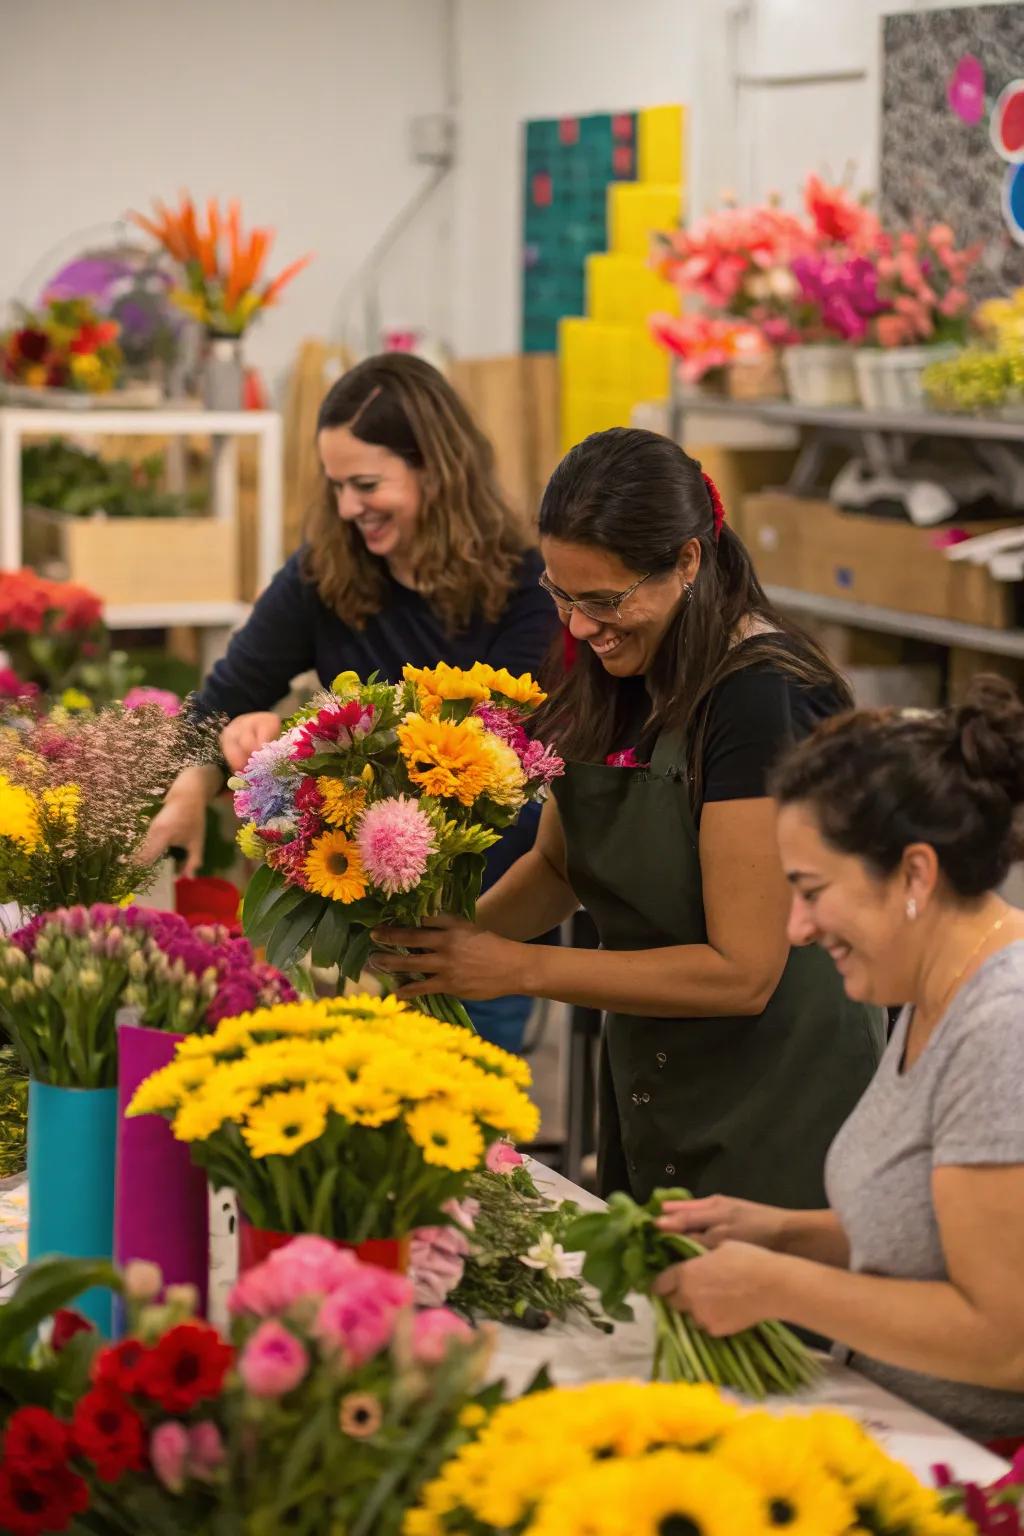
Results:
[19, 815]
[334, 869]
[445, 759]
[342, 802]
[796, 1492]
[168, 1088]
[652, 1496]
[285, 1122]
[446, 1137]
[363, 1103]
[199, 1117]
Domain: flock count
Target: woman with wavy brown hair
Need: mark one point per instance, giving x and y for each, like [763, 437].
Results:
[413, 556]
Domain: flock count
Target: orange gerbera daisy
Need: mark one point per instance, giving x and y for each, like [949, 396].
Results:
[446, 759]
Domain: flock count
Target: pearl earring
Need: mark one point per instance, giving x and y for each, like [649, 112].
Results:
[911, 908]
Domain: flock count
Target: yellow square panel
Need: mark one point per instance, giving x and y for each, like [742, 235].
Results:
[661, 140]
[585, 413]
[623, 290]
[636, 210]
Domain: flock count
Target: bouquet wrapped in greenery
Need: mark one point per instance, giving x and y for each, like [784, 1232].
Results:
[352, 1118]
[626, 1251]
[378, 804]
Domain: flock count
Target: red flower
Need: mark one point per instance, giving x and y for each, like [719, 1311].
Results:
[93, 335]
[121, 1366]
[31, 1505]
[35, 1441]
[308, 796]
[66, 1323]
[109, 1432]
[342, 724]
[188, 1365]
[30, 345]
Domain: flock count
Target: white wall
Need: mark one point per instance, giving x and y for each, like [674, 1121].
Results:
[298, 107]
[519, 59]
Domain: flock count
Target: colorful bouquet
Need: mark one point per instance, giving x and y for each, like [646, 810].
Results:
[996, 1509]
[66, 976]
[223, 284]
[626, 1252]
[328, 1410]
[503, 1257]
[67, 345]
[622, 1459]
[378, 804]
[76, 796]
[707, 344]
[354, 1118]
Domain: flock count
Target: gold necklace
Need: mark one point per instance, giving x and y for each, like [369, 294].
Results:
[988, 934]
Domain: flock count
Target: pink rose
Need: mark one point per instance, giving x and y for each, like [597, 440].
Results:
[273, 1362]
[358, 1318]
[432, 1332]
[437, 1260]
[205, 1451]
[309, 1266]
[168, 1452]
[502, 1157]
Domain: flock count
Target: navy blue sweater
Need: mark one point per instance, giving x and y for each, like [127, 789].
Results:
[291, 631]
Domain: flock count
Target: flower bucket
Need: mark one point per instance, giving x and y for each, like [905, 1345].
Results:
[207, 899]
[162, 1208]
[72, 1135]
[257, 1243]
[756, 378]
[890, 378]
[821, 376]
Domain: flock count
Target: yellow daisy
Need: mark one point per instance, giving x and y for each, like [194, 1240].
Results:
[437, 684]
[364, 1103]
[285, 1122]
[342, 803]
[794, 1490]
[170, 1086]
[445, 759]
[334, 869]
[249, 843]
[446, 1137]
[19, 815]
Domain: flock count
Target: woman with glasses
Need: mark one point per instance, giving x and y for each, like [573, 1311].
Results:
[729, 1061]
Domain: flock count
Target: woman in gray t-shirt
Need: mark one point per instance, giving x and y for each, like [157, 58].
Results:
[896, 831]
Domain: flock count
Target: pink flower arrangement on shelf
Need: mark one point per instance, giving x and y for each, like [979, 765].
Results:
[707, 344]
[922, 282]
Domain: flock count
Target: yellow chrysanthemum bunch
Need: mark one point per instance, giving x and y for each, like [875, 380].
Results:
[341, 1115]
[621, 1458]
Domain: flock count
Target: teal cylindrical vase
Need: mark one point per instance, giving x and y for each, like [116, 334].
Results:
[72, 1136]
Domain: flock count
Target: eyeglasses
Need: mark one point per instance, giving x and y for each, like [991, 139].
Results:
[602, 611]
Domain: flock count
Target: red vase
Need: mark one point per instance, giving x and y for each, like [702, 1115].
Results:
[257, 1243]
[207, 899]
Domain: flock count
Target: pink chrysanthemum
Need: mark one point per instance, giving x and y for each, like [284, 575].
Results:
[395, 840]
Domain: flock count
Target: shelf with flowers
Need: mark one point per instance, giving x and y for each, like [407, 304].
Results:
[327, 1408]
[223, 286]
[377, 805]
[987, 376]
[354, 1119]
[64, 349]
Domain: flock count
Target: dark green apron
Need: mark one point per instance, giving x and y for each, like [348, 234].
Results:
[737, 1106]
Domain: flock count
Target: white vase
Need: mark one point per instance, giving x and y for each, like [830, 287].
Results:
[889, 378]
[821, 376]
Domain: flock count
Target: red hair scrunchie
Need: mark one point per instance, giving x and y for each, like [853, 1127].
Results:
[717, 505]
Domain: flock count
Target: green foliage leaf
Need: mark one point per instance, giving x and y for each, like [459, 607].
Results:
[293, 934]
[331, 937]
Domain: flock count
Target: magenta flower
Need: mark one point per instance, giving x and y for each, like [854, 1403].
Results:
[395, 840]
[168, 1452]
[432, 1333]
[167, 702]
[966, 90]
[206, 1454]
[540, 764]
[309, 1266]
[274, 1361]
[358, 1319]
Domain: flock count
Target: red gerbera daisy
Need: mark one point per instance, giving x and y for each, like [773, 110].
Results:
[109, 1432]
[35, 1441]
[121, 1366]
[188, 1365]
[30, 1505]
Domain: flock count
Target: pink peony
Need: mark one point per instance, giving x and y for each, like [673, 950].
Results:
[433, 1330]
[502, 1157]
[168, 1452]
[164, 700]
[273, 1362]
[358, 1318]
[309, 1266]
[395, 840]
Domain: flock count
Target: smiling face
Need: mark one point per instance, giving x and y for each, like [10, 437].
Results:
[626, 642]
[374, 490]
[858, 917]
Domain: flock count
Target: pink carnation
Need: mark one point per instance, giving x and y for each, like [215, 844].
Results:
[502, 1157]
[437, 1260]
[395, 840]
[432, 1333]
[274, 1361]
[164, 700]
[309, 1266]
[358, 1319]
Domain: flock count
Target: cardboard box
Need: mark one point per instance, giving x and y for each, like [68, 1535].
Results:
[136, 559]
[813, 547]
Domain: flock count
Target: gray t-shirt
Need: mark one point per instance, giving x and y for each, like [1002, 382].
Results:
[960, 1104]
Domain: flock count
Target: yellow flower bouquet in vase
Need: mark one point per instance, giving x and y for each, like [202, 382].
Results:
[378, 804]
[355, 1119]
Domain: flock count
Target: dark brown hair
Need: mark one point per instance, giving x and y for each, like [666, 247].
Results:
[468, 542]
[641, 498]
[878, 781]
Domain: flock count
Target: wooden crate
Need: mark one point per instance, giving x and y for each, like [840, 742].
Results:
[813, 547]
[135, 560]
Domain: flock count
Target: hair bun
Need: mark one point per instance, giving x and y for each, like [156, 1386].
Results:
[988, 728]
